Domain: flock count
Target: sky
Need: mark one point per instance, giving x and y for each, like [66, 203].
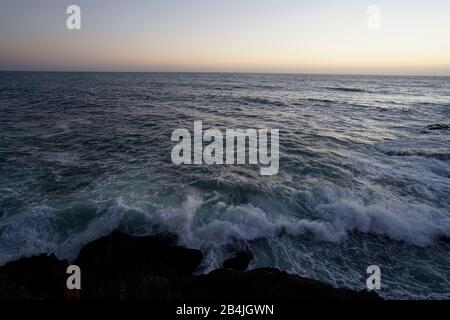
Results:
[293, 36]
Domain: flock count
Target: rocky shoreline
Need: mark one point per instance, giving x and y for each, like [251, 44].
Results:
[120, 266]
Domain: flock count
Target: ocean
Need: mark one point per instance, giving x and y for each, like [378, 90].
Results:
[363, 178]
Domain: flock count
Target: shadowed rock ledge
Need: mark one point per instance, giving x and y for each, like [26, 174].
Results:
[119, 266]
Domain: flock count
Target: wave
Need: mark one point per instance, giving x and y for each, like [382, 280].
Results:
[437, 126]
[337, 213]
[399, 219]
[261, 101]
[346, 89]
[418, 153]
[320, 100]
[439, 150]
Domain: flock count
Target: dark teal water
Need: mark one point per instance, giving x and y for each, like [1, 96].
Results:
[361, 182]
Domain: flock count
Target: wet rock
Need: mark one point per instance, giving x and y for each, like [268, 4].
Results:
[119, 265]
[265, 285]
[37, 278]
[239, 262]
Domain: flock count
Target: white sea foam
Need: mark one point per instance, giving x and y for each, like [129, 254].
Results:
[375, 213]
[339, 212]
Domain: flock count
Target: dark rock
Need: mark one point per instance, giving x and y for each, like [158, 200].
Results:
[124, 267]
[239, 262]
[117, 264]
[169, 238]
[265, 285]
[38, 278]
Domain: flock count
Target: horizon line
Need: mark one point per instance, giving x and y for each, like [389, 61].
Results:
[230, 72]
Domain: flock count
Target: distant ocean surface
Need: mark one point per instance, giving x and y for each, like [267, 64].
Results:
[362, 180]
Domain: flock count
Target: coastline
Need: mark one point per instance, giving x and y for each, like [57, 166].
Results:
[154, 268]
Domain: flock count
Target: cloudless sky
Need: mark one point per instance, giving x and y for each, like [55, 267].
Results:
[227, 35]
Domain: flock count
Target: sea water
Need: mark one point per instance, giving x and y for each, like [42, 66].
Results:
[361, 182]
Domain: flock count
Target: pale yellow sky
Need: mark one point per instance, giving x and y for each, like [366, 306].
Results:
[255, 36]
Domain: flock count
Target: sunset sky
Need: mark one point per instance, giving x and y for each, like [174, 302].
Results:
[227, 35]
